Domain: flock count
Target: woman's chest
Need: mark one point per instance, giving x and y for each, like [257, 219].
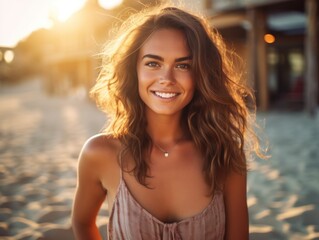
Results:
[171, 194]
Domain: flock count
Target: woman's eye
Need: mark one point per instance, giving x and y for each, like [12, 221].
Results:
[152, 64]
[184, 66]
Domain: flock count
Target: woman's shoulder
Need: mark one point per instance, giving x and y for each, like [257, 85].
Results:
[98, 164]
[102, 142]
[100, 149]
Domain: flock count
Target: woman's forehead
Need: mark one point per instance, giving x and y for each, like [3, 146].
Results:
[167, 41]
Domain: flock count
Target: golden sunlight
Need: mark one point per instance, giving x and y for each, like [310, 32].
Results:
[8, 56]
[108, 4]
[61, 10]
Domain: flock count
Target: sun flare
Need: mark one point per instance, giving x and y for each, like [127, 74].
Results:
[62, 10]
[108, 4]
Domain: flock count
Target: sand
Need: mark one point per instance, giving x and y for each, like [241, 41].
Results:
[41, 136]
[283, 191]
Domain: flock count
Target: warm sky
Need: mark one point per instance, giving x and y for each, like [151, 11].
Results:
[18, 18]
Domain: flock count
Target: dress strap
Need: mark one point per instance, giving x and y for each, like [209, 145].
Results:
[121, 173]
[121, 170]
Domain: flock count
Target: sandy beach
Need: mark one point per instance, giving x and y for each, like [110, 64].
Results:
[41, 137]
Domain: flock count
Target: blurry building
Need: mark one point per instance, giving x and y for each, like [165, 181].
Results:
[68, 55]
[72, 52]
[278, 41]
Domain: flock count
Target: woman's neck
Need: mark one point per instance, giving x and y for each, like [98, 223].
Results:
[165, 129]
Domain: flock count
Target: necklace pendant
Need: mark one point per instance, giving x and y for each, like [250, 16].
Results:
[166, 154]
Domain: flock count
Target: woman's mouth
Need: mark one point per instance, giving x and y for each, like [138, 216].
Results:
[165, 95]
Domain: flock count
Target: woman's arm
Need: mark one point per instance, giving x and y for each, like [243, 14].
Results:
[237, 223]
[89, 194]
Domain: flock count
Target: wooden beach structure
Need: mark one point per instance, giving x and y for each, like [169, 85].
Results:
[278, 41]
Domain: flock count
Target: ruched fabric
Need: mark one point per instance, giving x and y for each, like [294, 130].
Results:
[130, 221]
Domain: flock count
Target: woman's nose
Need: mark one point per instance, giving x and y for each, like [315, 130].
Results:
[167, 77]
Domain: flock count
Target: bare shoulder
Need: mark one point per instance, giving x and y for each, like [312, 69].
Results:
[96, 178]
[99, 156]
[100, 144]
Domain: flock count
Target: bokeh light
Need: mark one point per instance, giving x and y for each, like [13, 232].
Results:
[8, 56]
[269, 38]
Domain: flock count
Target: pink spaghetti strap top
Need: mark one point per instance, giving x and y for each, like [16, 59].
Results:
[130, 221]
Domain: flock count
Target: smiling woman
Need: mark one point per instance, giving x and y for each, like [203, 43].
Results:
[172, 161]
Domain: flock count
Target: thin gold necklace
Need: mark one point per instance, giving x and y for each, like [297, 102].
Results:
[166, 153]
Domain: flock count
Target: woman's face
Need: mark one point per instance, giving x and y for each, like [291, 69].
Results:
[165, 79]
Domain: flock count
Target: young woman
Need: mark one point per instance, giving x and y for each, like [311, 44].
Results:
[172, 161]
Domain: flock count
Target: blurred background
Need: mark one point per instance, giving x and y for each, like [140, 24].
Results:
[49, 59]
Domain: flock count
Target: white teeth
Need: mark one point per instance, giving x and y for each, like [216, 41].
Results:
[165, 95]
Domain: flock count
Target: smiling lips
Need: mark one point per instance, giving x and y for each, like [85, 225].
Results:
[165, 95]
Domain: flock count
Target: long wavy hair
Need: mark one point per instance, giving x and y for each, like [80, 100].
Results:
[219, 117]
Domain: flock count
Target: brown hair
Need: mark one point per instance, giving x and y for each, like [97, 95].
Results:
[218, 119]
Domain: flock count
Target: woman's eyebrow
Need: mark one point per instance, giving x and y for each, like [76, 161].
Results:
[162, 59]
[153, 56]
[183, 59]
